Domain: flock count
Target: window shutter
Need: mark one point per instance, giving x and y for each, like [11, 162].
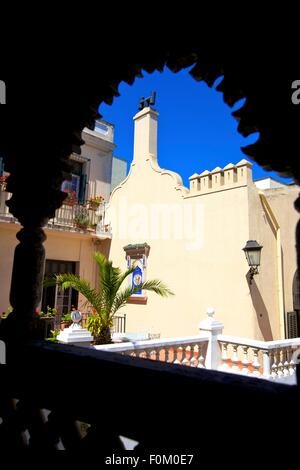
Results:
[296, 292]
[292, 324]
[82, 186]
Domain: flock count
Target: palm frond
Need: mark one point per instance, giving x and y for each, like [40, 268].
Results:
[157, 286]
[154, 285]
[121, 299]
[123, 276]
[80, 285]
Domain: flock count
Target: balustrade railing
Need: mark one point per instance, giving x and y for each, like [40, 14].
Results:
[190, 351]
[275, 360]
[271, 360]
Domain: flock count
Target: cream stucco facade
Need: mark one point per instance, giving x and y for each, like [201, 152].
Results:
[196, 237]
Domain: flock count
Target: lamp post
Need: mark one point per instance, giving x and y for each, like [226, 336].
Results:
[252, 252]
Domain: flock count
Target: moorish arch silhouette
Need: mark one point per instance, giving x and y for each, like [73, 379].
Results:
[59, 111]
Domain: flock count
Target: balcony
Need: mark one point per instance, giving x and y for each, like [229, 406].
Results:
[270, 360]
[78, 218]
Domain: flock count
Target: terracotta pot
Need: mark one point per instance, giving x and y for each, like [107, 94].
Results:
[65, 324]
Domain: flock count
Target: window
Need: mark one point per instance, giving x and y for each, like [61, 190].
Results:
[293, 319]
[54, 296]
[77, 181]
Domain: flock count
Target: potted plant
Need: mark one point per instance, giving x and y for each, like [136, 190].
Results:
[48, 318]
[94, 202]
[92, 227]
[81, 218]
[65, 321]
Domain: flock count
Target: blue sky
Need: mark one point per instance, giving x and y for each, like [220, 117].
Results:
[196, 131]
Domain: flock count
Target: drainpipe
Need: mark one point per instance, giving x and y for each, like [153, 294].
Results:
[276, 227]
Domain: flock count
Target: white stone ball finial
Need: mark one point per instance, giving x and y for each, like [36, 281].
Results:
[210, 312]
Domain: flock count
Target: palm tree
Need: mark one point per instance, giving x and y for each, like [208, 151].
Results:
[108, 298]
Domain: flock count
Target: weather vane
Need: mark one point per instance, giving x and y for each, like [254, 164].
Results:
[146, 102]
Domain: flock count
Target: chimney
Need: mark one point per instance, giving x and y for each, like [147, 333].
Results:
[145, 135]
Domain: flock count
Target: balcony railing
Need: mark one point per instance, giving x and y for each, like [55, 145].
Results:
[76, 217]
[190, 351]
[271, 360]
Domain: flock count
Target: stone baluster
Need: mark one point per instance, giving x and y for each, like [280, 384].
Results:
[167, 354]
[224, 365]
[255, 363]
[292, 365]
[266, 364]
[186, 351]
[153, 354]
[273, 364]
[285, 360]
[177, 353]
[200, 357]
[193, 356]
[279, 362]
[142, 354]
[235, 360]
[245, 361]
[157, 353]
[147, 353]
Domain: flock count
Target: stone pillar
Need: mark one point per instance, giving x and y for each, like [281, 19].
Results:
[212, 328]
[33, 202]
[26, 287]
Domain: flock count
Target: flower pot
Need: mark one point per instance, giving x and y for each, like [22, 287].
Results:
[81, 226]
[93, 207]
[65, 324]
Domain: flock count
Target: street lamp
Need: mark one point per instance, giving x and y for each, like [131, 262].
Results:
[253, 251]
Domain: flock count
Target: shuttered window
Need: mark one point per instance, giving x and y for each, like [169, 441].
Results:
[296, 292]
[292, 324]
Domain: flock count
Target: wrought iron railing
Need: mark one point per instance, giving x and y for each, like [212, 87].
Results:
[72, 217]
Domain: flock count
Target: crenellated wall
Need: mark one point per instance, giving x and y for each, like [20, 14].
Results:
[221, 179]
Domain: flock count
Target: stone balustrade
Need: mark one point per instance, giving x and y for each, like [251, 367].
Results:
[190, 351]
[271, 360]
[274, 360]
